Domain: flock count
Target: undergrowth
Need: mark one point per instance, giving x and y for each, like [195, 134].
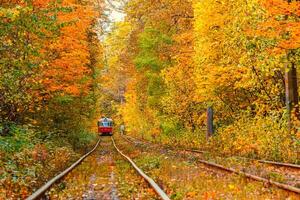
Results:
[260, 137]
[28, 158]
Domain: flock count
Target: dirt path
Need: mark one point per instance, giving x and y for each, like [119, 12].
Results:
[103, 175]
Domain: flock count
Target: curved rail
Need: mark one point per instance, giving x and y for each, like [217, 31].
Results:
[40, 192]
[281, 164]
[254, 177]
[157, 189]
[277, 163]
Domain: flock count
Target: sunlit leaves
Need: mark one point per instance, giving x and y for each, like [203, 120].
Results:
[193, 54]
[23, 32]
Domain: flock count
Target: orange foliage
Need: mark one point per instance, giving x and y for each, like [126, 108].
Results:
[67, 72]
[282, 7]
[282, 24]
[41, 3]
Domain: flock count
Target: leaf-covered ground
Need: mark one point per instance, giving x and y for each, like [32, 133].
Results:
[103, 175]
[183, 178]
[27, 161]
[282, 174]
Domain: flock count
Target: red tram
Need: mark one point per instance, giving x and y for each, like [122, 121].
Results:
[105, 126]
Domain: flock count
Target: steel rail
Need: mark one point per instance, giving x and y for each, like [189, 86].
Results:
[290, 165]
[281, 164]
[41, 191]
[250, 176]
[156, 188]
[254, 177]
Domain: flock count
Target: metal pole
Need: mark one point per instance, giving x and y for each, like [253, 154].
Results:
[291, 93]
[210, 123]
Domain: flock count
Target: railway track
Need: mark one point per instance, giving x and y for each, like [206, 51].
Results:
[279, 164]
[38, 194]
[151, 182]
[42, 190]
[286, 187]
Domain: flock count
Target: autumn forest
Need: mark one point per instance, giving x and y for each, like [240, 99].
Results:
[218, 76]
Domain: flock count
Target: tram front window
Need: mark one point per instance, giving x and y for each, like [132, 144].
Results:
[105, 124]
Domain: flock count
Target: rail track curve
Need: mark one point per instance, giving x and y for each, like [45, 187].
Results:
[231, 170]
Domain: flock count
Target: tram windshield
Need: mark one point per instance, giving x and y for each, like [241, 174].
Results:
[105, 123]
